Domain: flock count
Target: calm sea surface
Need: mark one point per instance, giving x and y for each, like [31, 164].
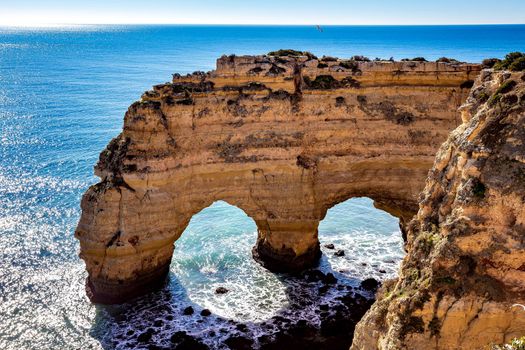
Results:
[63, 94]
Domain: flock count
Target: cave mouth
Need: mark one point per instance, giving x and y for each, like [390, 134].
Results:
[316, 309]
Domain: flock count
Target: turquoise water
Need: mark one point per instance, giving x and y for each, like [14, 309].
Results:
[63, 94]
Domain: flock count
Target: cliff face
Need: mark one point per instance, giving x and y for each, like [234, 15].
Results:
[465, 266]
[282, 138]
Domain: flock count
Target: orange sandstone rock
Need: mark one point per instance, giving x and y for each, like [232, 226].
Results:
[283, 138]
[465, 266]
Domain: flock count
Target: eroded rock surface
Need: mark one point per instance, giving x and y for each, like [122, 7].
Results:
[283, 138]
[465, 266]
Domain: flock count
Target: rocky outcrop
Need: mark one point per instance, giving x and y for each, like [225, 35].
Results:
[465, 266]
[283, 138]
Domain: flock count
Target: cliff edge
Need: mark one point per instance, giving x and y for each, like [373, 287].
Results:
[465, 267]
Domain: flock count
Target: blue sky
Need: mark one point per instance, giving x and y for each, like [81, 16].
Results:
[37, 12]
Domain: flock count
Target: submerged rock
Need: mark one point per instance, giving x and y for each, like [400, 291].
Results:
[340, 252]
[205, 312]
[221, 290]
[188, 311]
[370, 284]
[239, 343]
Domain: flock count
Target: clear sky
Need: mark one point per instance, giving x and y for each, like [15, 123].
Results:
[38, 12]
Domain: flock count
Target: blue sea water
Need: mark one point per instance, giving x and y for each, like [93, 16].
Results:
[63, 94]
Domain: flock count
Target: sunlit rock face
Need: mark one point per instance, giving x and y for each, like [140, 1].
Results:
[282, 138]
[465, 267]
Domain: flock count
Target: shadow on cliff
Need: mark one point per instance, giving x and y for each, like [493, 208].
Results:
[321, 312]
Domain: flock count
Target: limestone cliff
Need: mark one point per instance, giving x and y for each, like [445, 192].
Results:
[283, 138]
[465, 266]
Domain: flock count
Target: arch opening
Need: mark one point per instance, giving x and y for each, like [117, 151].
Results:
[215, 251]
[261, 308]
[360, 240]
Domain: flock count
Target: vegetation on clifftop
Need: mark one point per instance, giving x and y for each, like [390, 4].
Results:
[290, 52]
[514, 61]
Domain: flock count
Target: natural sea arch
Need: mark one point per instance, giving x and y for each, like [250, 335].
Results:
[215, 250]
[283, 144]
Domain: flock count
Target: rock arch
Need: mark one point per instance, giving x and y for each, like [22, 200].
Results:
[282, 143]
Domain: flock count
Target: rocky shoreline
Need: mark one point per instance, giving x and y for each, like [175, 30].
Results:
[335, 307]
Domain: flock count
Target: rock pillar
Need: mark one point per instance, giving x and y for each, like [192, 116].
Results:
[286, 245]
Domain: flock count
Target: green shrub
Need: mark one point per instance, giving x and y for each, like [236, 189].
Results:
[514, 61]
[290, 52]
[483, 96]
[518, 65]
[490, 62]
[415, 59]
[360, 58]
[447, 60]
[506, 87]
[494, 99]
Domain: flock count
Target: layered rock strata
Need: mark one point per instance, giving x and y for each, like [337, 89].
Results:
[465, 267]
[282, 138]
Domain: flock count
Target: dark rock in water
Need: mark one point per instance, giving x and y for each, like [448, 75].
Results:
[323, 307]
[184, 341]
[158, 323]
[177, 337]
[221, 290]
[329, 246]
[330, 278]
[188, 311]
[382, 271]
[337, 326]
[146, 336]
[205, 312]
[340, 252]
[323, 289]
[241, 327]
[191, 344]
[301, 323]
[313, 275]
[239, 343]
[370, 284]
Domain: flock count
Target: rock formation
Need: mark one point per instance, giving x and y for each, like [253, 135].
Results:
[283, 138]
[465, 266]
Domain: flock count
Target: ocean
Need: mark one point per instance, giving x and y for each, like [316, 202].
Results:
[63, 94]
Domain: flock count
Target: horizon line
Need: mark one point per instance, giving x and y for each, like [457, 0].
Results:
[42, 25]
